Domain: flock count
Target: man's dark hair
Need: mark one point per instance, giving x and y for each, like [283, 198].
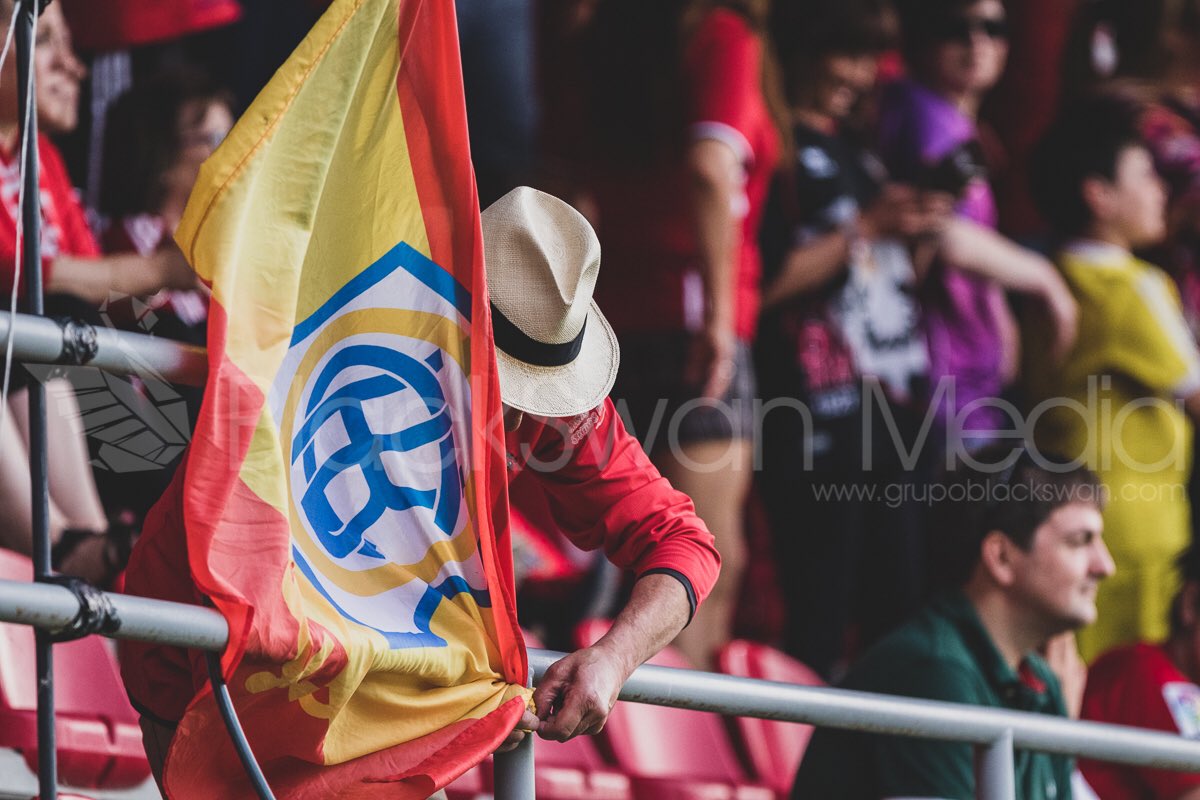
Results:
[1086, 141]
[1014, 490]
[921, 22]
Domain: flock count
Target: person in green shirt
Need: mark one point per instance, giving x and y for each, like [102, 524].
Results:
[1018, 541]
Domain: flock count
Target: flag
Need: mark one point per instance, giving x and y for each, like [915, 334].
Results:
[344, 508]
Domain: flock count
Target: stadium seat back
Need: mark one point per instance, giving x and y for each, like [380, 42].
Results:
[473, 784]
[772, 749]
[99, 739]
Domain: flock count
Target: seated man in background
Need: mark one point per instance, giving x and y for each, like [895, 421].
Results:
[1151, 686]
[1022, 565]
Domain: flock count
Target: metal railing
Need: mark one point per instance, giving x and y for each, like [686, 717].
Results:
[994, 732]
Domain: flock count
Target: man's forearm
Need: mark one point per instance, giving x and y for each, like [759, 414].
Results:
[656, 612]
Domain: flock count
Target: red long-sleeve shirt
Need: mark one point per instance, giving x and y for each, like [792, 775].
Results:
[593, 482]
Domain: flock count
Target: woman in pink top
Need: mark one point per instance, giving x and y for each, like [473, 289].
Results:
[680, 145]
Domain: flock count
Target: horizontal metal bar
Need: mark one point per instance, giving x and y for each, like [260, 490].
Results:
[51, 607]
[38, 340]
[841, 708]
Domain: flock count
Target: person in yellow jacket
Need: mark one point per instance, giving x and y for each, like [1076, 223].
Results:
[1121, 400]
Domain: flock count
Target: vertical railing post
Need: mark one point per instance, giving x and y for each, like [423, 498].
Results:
[513, 777]
[514, 772]
[31, 271]
[995, 775]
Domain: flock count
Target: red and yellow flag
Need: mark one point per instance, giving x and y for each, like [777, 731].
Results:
[342, 506]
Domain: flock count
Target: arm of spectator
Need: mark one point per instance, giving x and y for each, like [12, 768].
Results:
[94, 279]
[809, 266]
[975, 248]
[577, 693]
[1010, 338]
[1062, 656]
[715, 183]
[896, 214]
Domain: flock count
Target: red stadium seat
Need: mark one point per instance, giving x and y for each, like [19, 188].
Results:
[99, 740]
[472, 784]
[575, 770]
[772, 749]
[670, 753]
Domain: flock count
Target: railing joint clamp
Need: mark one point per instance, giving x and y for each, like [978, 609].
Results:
[80, 342]
[96, 612]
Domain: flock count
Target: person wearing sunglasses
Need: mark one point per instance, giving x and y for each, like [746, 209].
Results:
[955, 51]
[841, 332]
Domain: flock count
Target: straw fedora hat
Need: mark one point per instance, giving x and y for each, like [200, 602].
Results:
[556, 353]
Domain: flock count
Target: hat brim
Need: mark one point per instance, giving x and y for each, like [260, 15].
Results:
[568, 390]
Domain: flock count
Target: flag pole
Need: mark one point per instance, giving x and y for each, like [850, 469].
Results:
[31, 269]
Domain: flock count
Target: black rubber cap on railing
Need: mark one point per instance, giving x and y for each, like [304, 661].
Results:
[80, 342]
[96, 613]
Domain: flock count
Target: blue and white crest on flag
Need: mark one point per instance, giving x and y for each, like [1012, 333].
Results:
[374, 401]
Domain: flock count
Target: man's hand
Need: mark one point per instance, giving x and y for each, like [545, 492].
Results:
[577, 693]
[528, 724]
[1062, 656]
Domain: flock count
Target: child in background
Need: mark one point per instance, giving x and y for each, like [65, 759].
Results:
[156, 137]
[839, 310]
[1115, 402]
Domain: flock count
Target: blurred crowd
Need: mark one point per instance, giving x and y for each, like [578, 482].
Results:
[849, 244]
[846, 245]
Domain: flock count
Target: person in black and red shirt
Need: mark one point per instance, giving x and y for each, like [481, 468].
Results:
[840, 335]
[1151, 686]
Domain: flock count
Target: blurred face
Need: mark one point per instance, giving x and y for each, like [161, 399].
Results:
[1136, 200]
[58, 73]
[969, 51]
[1056, 579]
[846, 80]
[202, 127]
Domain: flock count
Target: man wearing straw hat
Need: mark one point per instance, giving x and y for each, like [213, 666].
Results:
[568, 451]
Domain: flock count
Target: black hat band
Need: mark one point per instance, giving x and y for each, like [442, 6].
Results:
[522, 347]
